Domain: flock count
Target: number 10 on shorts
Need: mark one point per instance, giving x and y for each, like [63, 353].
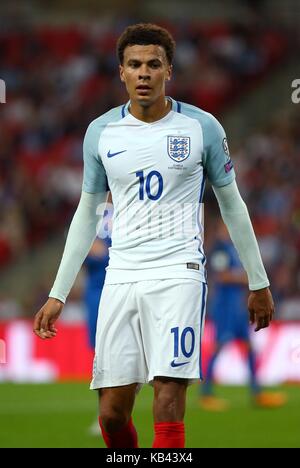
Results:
[185, 340]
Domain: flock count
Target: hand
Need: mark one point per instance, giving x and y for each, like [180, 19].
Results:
[261, 308]
[44, 320]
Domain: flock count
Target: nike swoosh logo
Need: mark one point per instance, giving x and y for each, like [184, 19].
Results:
[178, 364]
[110, 155]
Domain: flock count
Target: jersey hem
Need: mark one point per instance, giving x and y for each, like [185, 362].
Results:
[118, 276]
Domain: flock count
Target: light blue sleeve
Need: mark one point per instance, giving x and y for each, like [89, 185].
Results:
[216, 158]
[94, 175]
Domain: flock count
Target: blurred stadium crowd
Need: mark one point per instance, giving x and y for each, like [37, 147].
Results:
[60, 78]
[268, 176]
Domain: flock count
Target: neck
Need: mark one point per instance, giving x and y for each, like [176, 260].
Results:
[151, 113]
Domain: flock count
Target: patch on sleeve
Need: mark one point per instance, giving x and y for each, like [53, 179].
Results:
[228, 166]
[225, 146]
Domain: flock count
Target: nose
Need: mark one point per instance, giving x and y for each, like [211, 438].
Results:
[144, 73]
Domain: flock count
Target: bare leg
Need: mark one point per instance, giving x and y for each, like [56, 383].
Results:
[115, 406]
[169, 399]
[168, 411]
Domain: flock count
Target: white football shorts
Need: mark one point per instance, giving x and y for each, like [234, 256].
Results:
[147, 329]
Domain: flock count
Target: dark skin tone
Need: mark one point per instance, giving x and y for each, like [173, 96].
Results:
[145, 70]
[261, 308]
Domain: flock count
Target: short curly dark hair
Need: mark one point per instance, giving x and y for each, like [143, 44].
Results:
[146, 34]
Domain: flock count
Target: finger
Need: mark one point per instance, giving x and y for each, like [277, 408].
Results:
[48, 335]
[38, 332]
[45, 334]
[37, 322]
[252, 316]
[51, 326]
[262, 322]
[44, 323]
[52, 331]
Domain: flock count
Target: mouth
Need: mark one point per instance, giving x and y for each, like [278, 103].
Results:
[143, 89]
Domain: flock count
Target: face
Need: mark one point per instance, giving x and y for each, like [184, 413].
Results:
[144, 71]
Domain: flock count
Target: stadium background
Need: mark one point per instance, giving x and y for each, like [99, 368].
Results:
[236, 59]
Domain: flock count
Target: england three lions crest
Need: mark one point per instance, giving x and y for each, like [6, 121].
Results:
[179, 148]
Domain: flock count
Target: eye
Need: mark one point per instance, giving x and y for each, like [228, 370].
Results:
[155, 65]
[134, 64]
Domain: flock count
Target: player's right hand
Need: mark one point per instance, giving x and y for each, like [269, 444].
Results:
[46, 317]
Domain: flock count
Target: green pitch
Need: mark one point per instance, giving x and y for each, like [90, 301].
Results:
[58, 415]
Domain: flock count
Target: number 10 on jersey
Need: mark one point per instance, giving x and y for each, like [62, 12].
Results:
[153, 177]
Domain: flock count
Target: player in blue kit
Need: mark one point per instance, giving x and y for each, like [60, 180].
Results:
[155, 153]
[95, 265]
[228, 312]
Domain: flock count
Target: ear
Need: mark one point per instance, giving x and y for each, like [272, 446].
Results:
[121, 70]
[169, 73]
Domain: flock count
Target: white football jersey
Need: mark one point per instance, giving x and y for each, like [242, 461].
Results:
[156, 174]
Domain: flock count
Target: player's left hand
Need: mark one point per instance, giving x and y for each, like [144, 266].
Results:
[261, 308]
